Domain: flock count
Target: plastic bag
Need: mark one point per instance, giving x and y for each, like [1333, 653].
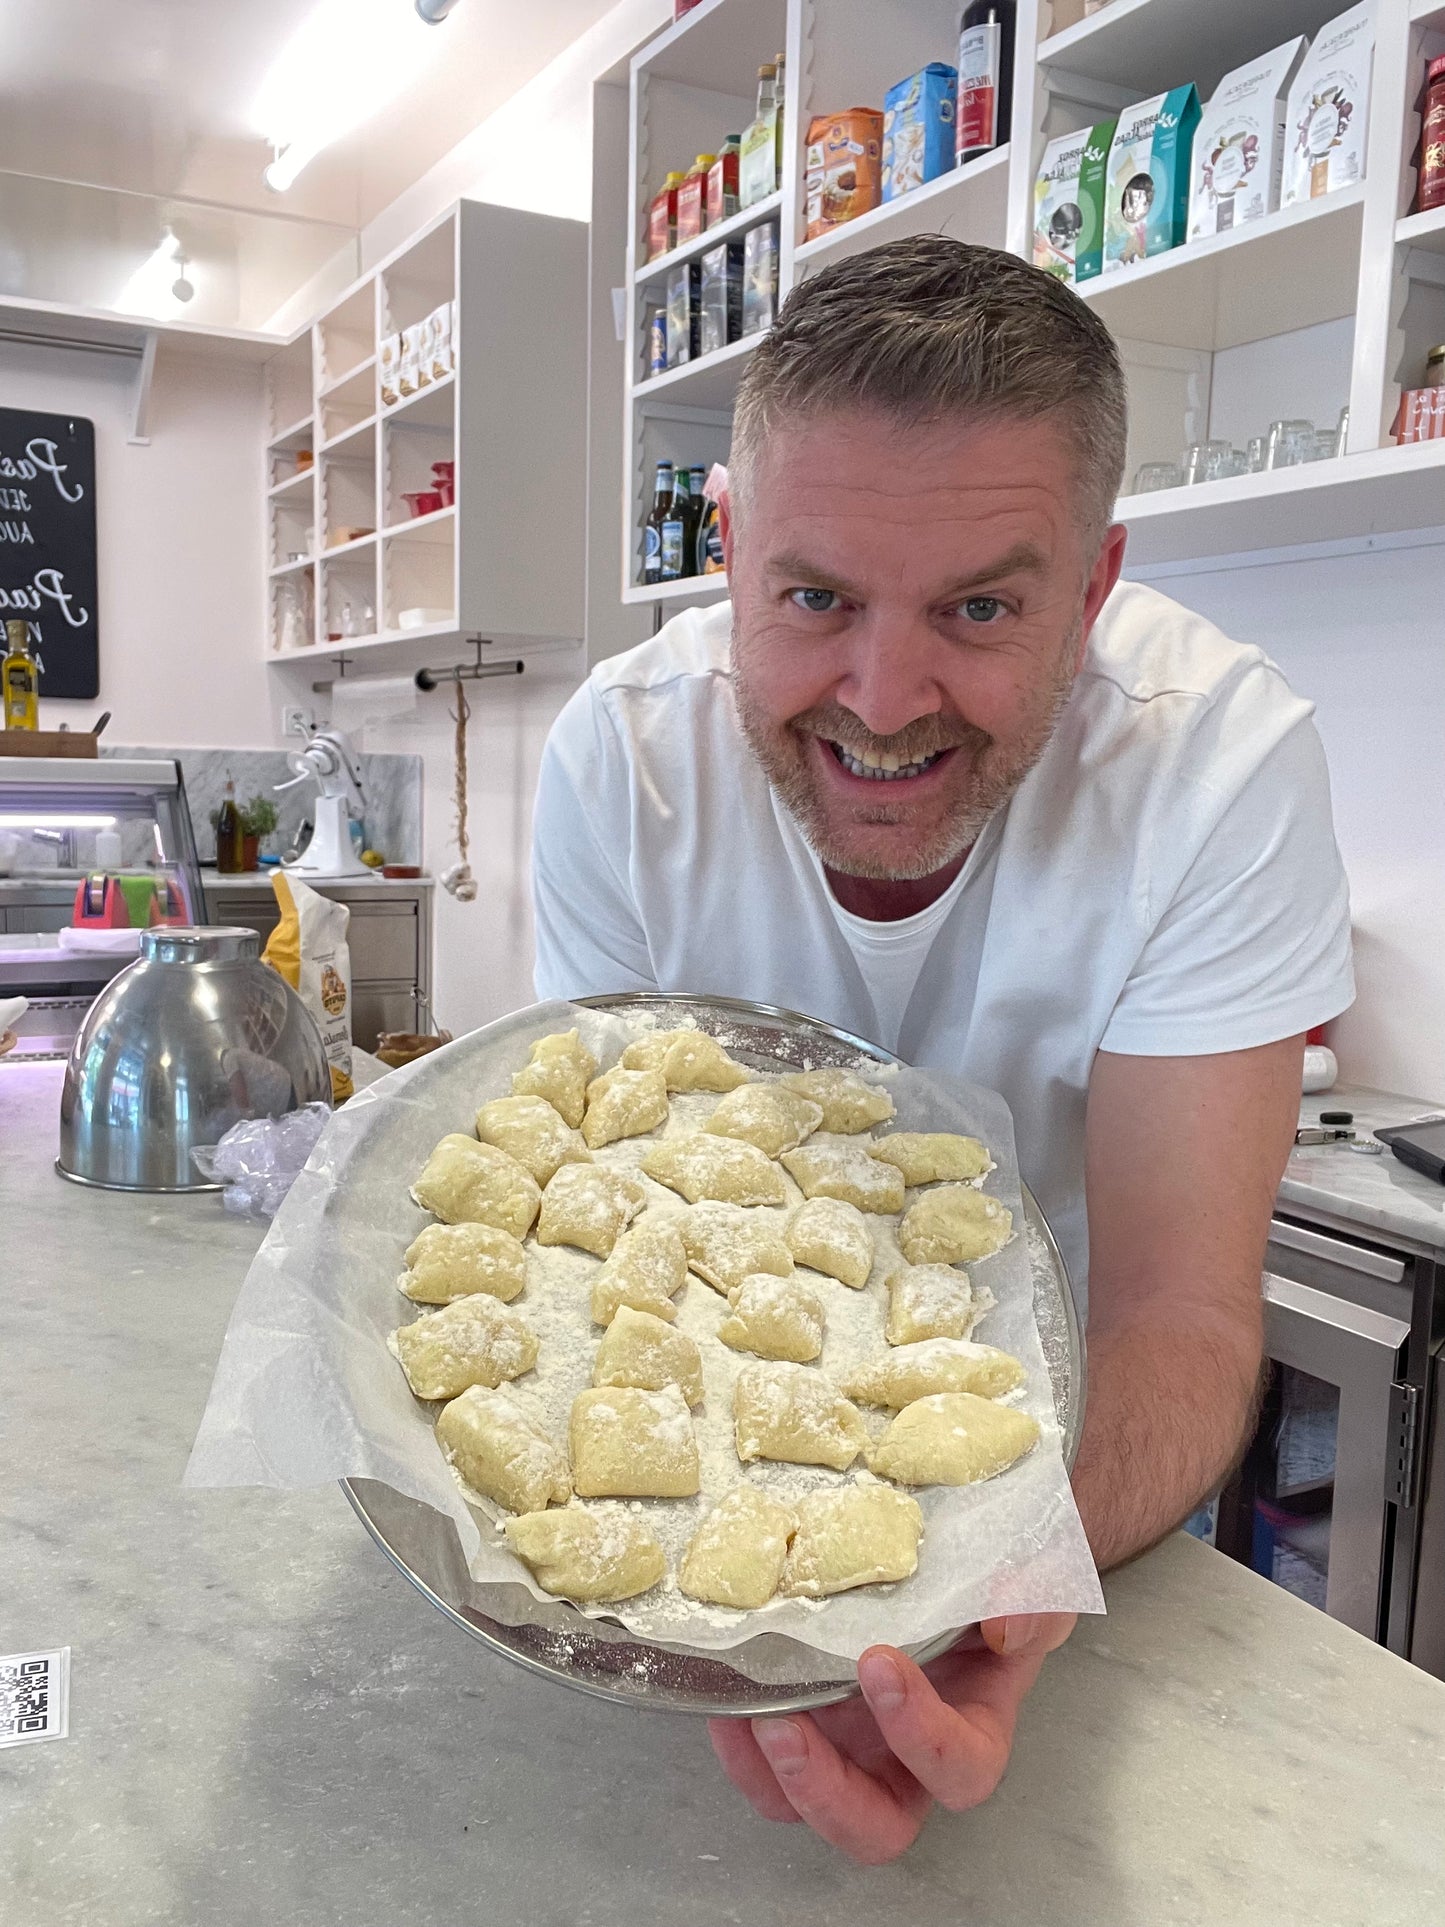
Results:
[259, 1159]
[309, 948]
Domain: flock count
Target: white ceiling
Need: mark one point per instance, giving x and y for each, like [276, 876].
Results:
[153, 96]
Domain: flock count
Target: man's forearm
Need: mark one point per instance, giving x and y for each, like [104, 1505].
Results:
[1170, 1407]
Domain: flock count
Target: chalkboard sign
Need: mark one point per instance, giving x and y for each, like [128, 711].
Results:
[47, 544]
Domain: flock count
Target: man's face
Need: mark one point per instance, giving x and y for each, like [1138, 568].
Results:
[910, 607]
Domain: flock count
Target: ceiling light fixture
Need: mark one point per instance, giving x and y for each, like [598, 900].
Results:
[346, 60]
[154, 287]
[435, 11]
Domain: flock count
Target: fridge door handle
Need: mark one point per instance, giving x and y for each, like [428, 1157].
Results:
[1374, 1264]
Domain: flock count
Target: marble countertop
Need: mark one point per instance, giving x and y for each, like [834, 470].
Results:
[214, 884]
[1375, 1194]
[268, 1724]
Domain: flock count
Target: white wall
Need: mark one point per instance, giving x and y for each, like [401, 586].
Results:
[179, 542]
[1363, 636]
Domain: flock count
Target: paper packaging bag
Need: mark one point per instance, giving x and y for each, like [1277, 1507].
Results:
[309, 949]
[1329, 109]
[1239, 146]
[1146, 207]
[390, 370]
[844, 170]
[1093, 187]
[1058, 218]
[306, 1390]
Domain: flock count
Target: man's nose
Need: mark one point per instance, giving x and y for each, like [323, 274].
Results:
[890, 677]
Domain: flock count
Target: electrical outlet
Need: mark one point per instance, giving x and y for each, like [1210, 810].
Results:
[296, 721]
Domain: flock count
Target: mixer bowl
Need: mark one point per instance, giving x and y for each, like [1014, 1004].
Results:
[193, 1037]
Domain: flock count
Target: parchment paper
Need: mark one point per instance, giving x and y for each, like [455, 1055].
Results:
[306, 1391]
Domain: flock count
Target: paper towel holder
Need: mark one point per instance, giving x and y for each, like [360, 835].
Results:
[475, 671]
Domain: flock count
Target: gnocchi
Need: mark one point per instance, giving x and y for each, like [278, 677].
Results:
[629, 1444]
[954, 1225]
[775, 1318]
[861, 1535]
[953, 1438]
[648, 1353]
[933, 1301]
[447, 1261]
[774, 1120]
[832, 1236]
[647, 1269]
[621, 1104]
[502, 1452]
[464, 1182]
[724, 1244]
[845, 1171]
[475, 1341]
[735, 1558]
[580, 1555]
[558, 1068]
[588, 1207]
[530, 1130]
[934, 1365]
[795, 1415]
[932, 1157]
[848, 1104]
[699, 1166]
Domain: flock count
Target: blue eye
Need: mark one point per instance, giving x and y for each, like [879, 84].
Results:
[818, 602]
[983, 608]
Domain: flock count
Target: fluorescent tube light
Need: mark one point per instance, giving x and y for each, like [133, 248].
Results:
[53, 820]
[346, 61]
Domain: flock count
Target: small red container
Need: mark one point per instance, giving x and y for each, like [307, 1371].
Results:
[423, 501]
[444, 471]
[447, 493]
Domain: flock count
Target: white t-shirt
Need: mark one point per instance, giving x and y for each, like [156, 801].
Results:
[1165, 881]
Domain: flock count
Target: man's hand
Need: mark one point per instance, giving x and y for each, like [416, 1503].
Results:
[865, 1774]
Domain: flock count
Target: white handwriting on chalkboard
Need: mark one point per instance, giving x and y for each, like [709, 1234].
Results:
[16, 532]
[41, 457]
[47, 585]
[17, 500]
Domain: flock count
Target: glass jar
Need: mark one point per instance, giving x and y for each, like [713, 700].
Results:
[1432, 138]
[1435, 367]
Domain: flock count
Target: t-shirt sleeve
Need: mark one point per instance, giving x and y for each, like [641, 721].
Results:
[1254, 943]
[589, 935]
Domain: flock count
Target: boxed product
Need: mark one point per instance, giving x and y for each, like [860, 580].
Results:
[721, 199]
[439, 342]
[1093, 192]
[722, 296]
[1057, 214]
[1239, 144]
[412, 371]
[760, 277]
[1146, 207]
[389, 369]
[662, 218]
[1329, 108]
[843, 177]
[1421, 417]
[691, 200]
[918, 117]
[684, 314]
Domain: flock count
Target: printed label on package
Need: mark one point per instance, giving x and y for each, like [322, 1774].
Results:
[34, 1697]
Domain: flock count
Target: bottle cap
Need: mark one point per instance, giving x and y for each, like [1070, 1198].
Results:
[671, 180]
[704, 160]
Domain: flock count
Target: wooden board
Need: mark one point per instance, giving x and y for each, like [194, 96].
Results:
[48, 742]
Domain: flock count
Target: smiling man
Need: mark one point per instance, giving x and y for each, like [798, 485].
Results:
[937, 777]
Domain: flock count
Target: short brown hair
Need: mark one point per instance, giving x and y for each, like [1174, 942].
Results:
[927, 327]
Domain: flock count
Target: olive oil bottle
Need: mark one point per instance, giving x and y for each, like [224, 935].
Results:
[20, 678]
[230, 848]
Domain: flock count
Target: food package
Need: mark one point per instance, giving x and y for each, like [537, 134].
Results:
[1421, 416]
[760, 277]
[684, 313]
[1240, 142]
[309, 949]
[1329, 109]
[409, 378]
[389, 363]
[722, 295]
[918, 128]
[439, 341]
[1093, 192]
[844, 168]
[452, 339]
[1058, 217]
[721, 200]
[1146, 207]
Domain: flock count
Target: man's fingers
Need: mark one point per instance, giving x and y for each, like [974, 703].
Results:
[742, 1760]
[958, 1752]
[838, 1800]
[1025, 1634]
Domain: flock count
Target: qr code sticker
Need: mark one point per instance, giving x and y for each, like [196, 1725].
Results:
[34, 1696]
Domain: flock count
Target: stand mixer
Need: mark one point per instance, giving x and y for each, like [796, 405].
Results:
[328, 761]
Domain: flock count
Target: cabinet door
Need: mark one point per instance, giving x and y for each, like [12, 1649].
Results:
[382, 939]
[379, 1007]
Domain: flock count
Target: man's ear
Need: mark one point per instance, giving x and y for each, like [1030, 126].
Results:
[1103, 576]
[725, 526]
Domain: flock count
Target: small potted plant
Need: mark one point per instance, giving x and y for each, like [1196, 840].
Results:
[258, 819]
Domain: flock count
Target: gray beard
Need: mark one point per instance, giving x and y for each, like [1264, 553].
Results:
[995, 773]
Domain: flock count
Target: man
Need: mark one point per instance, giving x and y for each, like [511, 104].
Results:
[935, 778]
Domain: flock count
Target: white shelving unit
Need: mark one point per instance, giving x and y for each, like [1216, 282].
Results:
[501, 565]
[1258, 295]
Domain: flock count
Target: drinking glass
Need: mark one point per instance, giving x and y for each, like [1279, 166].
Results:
[1201, 458]
[1290, 443]
[1151, 476]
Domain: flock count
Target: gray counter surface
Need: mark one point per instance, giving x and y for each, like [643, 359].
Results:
[268, 1725]
[1372, 1194]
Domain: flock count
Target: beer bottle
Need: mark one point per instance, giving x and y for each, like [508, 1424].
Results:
[675, 527]
[652, 527]
[697, 476]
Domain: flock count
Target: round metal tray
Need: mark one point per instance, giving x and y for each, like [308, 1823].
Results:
[599, 1656]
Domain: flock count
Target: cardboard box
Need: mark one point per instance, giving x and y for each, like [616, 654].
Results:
[760, 277]
[844, 168]
[1329, 109]
[1422, 415]
[1093, 189]
[722, 296]
[918, 128]
[684, 314]
[1240, 142]
[1058, 218]
[1146, 206]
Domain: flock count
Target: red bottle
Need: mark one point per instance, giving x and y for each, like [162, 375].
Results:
[985, 76]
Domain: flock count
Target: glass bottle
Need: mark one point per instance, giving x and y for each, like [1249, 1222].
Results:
[230, 838]
[675, 527]
[20, 677]
[692, 562]
[985, 76]
[758, 159]
[652, 527]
